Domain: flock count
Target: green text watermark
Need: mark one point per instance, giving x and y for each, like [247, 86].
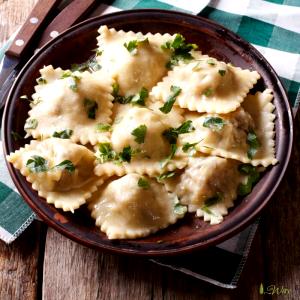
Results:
[272, 289]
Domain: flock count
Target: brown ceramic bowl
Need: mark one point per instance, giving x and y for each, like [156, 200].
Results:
[74, 46]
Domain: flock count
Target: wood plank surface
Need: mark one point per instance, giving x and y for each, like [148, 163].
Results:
[19, 266]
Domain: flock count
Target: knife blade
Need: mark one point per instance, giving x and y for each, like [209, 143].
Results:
[11, 64]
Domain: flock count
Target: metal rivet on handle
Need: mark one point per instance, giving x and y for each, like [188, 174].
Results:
[19, 43]
[33, 20]
[54, 34]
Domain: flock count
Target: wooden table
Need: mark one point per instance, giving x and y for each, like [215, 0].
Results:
[42, 264]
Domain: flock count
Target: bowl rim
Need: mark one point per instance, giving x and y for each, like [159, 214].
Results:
[226, 233]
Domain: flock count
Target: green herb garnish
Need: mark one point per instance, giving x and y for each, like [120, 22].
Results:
[105, 152]
[64, 134]
[253, 144]
[180, 49]
[66, 165]
[166, 175]
[166, 108]
[31, 124]
[91, 107]
[37, 164]
[139, 98]
[101, 127]
[143, 183]
[222, 72]
[16, 136]
[91, 65]
[253, 177]
[140, 133]
[211, 62]
[72, 78]
[170, 156]
[208, 92]
[211, 201]
[187, 146]
[41, 80]
[131, 47]
[214, 123]
[179, 209]
[126, 154]
[172, 134]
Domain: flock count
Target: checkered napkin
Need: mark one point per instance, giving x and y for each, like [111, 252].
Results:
[273, 27]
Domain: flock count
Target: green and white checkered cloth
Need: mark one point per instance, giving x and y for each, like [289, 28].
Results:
[272, 26]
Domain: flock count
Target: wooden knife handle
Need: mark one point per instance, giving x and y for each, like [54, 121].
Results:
[65, 19]
[33, 23]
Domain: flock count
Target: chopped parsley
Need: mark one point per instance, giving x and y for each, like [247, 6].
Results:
[172, 134]
[31, 124]
[41, 80]
[72, 78]
[170, 156]
[179, 209]
[140, 98]
[166, 108]
[187, 146]
[214, 123]
[91, 65]
[16, 136]
[37, 164]
[91, 107]
[132, 46]
[211, 62]
[211, 201]
[222, 72]
[253, 143]
[139, 133]
[166, 175]
[253, 177]
[126, 154]
[180, 50]
[64, 134]
[143, 183]
[66, 165]
[208, 92]
[102, 127]
[105, 152]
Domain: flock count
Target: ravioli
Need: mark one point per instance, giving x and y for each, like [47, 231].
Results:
[133, 206]
[59, 170]
[70, 101]
[140, 131]
[261, 109]
[208, 85]
[134, 60]
[208, 186]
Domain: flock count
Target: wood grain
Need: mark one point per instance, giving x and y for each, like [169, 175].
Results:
[13, 13]
[19, 266]
[72, 271]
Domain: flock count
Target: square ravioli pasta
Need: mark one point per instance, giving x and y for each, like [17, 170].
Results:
[134, 60]
[246, 134]
[138, 143]
[70, 101]
[207, 85]
[59, 170]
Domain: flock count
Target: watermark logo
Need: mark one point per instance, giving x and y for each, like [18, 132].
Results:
[272, 289]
